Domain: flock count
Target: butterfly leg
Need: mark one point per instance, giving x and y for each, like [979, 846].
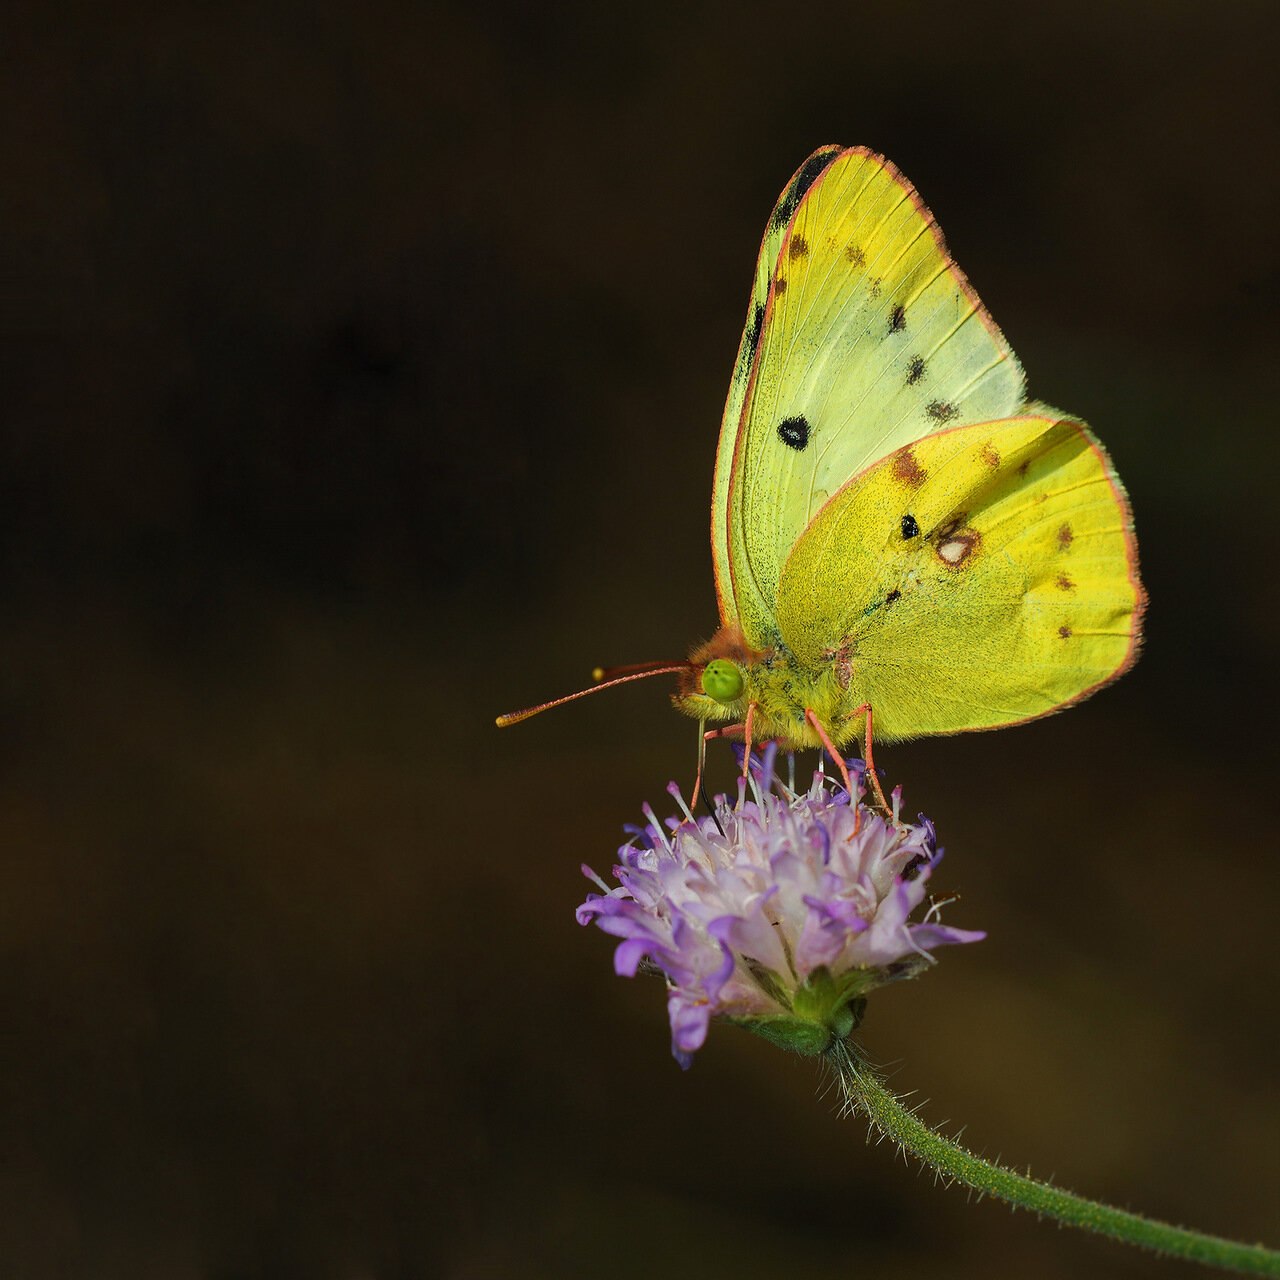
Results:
[746, 738]
[812, 718]
[724, 731]
[871, 764]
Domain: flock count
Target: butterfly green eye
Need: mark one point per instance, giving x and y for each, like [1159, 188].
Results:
[722, 680]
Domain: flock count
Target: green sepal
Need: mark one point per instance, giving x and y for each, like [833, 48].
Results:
[810, 1039]
[822, 1011]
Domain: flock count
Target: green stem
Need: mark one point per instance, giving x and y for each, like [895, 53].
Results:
[864, 1092]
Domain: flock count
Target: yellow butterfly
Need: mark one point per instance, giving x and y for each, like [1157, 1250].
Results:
[903, 545]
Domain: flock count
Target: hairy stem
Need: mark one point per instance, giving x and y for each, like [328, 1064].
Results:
[863, 1091]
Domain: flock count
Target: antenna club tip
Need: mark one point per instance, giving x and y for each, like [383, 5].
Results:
[597, 673]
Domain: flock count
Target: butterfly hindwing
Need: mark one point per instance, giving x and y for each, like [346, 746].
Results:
[863, 336]
[979, 577]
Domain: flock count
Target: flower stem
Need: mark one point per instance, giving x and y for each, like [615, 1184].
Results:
[864, 1092]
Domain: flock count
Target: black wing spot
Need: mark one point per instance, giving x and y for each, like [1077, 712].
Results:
[753, 332]
[893, 595]
[898, 319]
[941, 411]
[808, 175]
[794, 432]
[915, 370]
[910, 528]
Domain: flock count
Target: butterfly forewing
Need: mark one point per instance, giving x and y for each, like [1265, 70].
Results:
[867, 337]
[748, 352]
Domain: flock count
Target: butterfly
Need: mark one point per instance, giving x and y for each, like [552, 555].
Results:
[903, 544]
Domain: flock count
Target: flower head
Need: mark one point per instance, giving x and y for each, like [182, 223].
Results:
[780, 912]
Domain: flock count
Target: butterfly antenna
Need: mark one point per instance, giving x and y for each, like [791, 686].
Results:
[648, 669]
[636, 669]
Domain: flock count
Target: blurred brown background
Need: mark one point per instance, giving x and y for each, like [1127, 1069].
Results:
[362, 368]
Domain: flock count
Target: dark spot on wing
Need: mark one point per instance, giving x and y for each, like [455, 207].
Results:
[1065, 632]
[910, 527]
[1064, 583]
[779, 285]
[941, 411]
[898, 319]
[991, 455]
[1065, 536]
[1024, 466]
[893, 595]
[874, 287]
[794, 432]
[808, 175]
[798, 248]
[855, 255]
[753, 331]
[915, 370]
[907, 469]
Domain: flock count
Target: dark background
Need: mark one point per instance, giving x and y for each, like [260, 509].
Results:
[362, 368]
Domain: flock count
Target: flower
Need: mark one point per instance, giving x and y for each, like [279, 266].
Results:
[779, 913]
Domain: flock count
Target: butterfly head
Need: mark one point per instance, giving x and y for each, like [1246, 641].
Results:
[719, 682]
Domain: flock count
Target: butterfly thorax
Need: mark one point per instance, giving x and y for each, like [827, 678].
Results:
[781, 688]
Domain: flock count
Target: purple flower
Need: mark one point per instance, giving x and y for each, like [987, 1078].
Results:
[779, 913]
